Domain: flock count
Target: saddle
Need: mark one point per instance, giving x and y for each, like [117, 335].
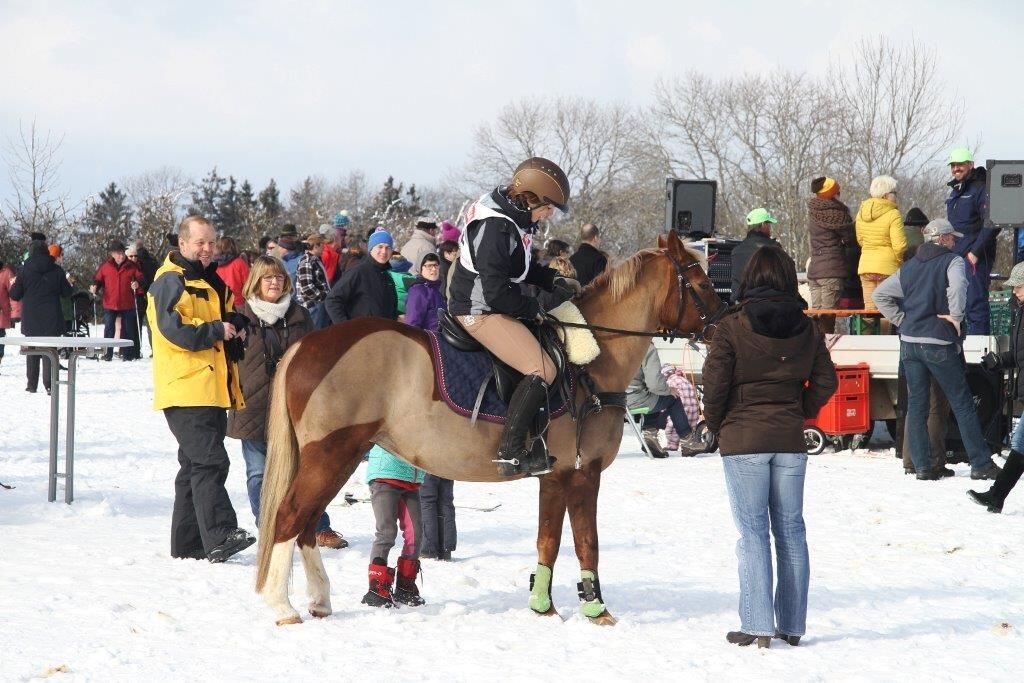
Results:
[499, 376]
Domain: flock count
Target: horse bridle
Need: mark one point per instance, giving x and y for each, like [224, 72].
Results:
[683, 284]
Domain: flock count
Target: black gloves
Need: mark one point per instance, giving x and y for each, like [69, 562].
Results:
[234, 348]
[569, 284]
[990, 361]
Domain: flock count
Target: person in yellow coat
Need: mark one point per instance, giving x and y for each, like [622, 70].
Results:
[196, 337]
[879, 227]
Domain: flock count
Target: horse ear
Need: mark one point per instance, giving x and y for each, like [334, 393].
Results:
[662, 242]
[675, 245]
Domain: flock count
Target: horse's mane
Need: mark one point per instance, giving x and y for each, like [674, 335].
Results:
[621, 279]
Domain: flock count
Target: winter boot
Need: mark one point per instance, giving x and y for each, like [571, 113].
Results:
[515, 455]
[653, 445]
[987, 499]
[743, 639]
[406, 591]
[1008, 478]
[381, 579]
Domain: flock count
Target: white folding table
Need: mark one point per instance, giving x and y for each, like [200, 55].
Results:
[75, 347]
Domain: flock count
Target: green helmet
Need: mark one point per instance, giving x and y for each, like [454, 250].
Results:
[759, 216]
[960, 155]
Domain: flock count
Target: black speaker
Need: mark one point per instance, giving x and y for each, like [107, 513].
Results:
[690, 207]
[1005, 183]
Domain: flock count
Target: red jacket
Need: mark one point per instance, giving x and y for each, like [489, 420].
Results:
[116, 283]
[329, 258]
[5, 297]
[234, 273]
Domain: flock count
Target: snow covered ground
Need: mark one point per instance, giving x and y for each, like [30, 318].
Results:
[909, 579]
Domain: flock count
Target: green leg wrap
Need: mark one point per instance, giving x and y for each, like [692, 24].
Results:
[540, 589]
[590, 594]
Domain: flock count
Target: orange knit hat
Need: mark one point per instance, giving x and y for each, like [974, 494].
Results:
[55, 250]
[825, 187]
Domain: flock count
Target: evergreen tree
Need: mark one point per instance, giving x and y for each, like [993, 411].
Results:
[250, 217]
[394, 207]
[270, 202]
[306, 205]
[106, 220]
[229, 219]
[206, 198]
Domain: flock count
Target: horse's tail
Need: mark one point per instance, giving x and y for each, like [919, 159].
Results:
[282, 463]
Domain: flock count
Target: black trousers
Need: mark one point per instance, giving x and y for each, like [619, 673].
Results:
[32, 371]
[437, 515]
[203, 515]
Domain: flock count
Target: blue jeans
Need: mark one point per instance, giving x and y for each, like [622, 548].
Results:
[255, 455]
[1017, 438]
[768, 488]
[944, 362]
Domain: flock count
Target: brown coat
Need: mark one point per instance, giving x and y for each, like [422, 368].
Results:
[767, 370]
[5, 297]
[251, 423]
[830, 229]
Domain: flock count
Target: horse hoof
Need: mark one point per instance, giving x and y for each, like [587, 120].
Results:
[603, 619]
[288, 621]
[319, 612]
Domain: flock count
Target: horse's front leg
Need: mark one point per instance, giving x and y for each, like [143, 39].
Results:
[581, 495]
[549, 538]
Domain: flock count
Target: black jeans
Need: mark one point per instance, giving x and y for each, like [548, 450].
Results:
[437, 514]
[669, 405]
[32, 372]
[202, 516]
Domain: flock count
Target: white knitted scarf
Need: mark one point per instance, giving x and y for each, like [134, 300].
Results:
[268, 311]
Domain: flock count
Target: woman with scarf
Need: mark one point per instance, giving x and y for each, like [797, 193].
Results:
[767, 370]
[276, 322]
[485, 295]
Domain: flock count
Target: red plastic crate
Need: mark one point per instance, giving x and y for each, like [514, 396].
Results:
[848, 411]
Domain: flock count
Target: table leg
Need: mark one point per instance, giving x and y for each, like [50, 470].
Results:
[54, 418]
[69, 436]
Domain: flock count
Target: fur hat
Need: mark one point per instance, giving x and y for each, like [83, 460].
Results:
[116, 245]
[915, 218]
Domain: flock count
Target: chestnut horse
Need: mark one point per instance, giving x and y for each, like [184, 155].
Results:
[371, 380]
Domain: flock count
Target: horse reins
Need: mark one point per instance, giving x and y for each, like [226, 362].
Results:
[617, 399]
[708, 317]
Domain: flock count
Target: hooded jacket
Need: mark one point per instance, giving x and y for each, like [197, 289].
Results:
[234, 272]
[741, 254]
[422, 303]
[494, 258]
[419, 245]
[39, 286]
[829, 229]
[880, 236]
[187, 305]
[767, 371]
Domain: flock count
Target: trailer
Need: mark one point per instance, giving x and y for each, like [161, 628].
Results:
[882, 354]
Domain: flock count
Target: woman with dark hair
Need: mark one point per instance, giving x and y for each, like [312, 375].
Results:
[39, 286]
[767, 370]
[555, 249]
[232, 268]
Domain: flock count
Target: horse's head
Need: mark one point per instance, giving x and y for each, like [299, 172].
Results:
[691, 306]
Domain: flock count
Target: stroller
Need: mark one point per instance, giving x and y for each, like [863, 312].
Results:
[80, 314]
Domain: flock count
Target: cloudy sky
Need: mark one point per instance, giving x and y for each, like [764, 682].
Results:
[286, 89]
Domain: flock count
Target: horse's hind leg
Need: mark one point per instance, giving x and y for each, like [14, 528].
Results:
[275, 592]
[581, 494]
[318, 586]
[549, 538]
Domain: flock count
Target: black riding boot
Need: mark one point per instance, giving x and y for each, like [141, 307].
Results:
[515, 455]
[1008, 478]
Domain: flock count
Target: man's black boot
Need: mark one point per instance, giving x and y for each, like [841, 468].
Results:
[987, 499]
[515, 455]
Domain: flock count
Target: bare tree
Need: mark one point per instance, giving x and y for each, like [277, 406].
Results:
[37, 202]
[158, 197]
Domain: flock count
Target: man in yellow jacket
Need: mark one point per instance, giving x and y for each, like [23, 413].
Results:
[195, 381]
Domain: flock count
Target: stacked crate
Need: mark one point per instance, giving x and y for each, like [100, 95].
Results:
[999, 311]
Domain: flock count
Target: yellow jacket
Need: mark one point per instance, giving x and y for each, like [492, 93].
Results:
[190, 368]
[881, 238]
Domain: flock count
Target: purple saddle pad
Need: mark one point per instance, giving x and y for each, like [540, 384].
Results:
[459, 375]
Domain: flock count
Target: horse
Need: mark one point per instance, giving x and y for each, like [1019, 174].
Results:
[371, 380]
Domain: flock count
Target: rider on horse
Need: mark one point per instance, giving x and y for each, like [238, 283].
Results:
[485, 296]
